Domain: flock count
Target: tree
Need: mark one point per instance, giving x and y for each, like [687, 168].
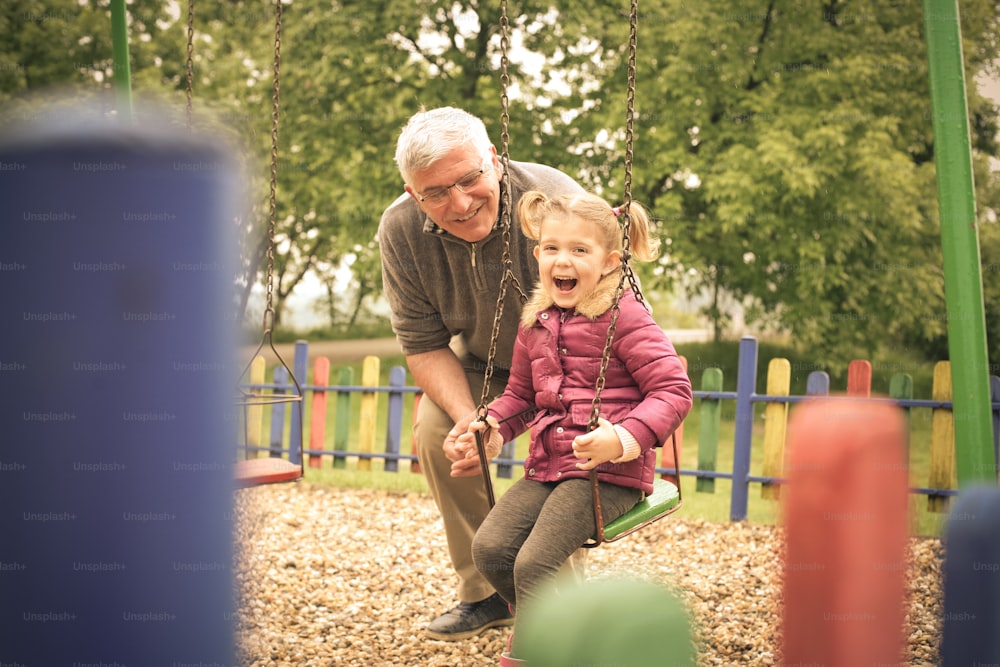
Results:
[350, 78]
[789, 151]
[65, 45]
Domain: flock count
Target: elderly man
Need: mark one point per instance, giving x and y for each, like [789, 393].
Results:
[441, 249]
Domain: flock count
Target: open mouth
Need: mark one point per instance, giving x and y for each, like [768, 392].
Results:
[564, 284]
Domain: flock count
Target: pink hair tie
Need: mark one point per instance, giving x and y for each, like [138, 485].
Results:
[617, 210]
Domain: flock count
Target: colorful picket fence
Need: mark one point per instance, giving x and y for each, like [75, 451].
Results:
[776, 400]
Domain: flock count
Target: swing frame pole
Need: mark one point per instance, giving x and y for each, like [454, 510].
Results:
[959, 246]
[122, 75]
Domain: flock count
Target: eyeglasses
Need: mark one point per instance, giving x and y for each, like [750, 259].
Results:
[439, 196]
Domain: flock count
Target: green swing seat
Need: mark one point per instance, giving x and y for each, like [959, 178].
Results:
[664, 499]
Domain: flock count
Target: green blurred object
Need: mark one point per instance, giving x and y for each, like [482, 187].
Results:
[963, 279]
[122, 68]
[622, 622]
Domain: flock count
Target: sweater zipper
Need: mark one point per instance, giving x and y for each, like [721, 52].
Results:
[472, 251]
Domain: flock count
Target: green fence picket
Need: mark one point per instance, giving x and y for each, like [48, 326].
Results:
[708, 433]
[342, 428]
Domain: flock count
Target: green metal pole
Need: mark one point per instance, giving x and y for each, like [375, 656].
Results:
[959, 245]
[122, 70]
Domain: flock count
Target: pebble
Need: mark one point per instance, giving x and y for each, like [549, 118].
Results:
[350, 577]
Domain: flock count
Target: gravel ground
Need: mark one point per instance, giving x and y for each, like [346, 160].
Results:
[332, 577]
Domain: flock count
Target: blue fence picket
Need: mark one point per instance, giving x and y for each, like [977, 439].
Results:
[505, 464]
[746, 378]
[278, 412]
[818, 384]
[394, 425]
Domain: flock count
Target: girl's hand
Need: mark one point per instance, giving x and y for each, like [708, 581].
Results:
[598, 446]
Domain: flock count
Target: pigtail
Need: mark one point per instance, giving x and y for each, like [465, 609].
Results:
[530, 211]
[643, 245]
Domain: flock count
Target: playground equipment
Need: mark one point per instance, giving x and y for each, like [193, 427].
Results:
[972, 579]
[966, 327]
[963, 280]
[116, 488]
[253, 395]
[666, 496]
[710, 403]
[627, 622]
[846, 520]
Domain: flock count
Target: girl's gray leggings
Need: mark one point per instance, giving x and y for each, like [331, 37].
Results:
[536, 526]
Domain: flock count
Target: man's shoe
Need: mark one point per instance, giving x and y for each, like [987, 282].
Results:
[468, 619]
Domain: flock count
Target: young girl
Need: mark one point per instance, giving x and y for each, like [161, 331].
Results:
[548, 514]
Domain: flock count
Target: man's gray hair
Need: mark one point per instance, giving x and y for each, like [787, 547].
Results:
[430, 135]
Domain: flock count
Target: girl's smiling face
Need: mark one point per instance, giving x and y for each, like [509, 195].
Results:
[572, 258]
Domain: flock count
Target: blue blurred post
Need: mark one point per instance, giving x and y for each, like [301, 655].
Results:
[281, 384]
[116, 488]
[972, 579]
[300, 369]
[818, 384]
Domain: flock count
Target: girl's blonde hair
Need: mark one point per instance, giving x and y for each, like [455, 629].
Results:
[534, 207]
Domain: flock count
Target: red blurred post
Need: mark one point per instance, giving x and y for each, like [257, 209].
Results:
[847, 527]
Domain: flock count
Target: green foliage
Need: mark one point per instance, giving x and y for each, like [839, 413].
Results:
[789, 151]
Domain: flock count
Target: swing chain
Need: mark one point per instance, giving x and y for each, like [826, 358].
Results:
[629, 152]
[272, 197]
[626, 266]
[626, 221]
[505, 209]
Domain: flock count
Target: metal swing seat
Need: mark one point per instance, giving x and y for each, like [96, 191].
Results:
[666, 496]
[252, 399]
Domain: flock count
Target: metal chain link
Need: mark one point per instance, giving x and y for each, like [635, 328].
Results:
[505, 209]
[629, 153]
[626, 220]
[272, 199]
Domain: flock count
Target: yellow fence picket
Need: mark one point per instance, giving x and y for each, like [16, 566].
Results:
[255, 413]
[369, 411]
[779, 381]
[943, 474]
